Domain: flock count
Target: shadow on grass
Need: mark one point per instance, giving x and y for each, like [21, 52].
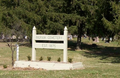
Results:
[72, 45]
[25, 44]
[95, 50]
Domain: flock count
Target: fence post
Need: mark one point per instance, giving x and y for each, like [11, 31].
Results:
[33, 44]
[17, 52]
[65, 45]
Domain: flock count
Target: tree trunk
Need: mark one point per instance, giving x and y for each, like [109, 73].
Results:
[18, 2]
[79, 36]
[12, 58]
[89, 38]
[78, 42]
[12, 49]
[12, 53]
[113, 36]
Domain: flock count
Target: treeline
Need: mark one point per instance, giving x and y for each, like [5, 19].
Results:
[93, 17]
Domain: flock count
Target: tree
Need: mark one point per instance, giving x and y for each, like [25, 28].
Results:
[50, 16]
[81, 12]
[108, 16]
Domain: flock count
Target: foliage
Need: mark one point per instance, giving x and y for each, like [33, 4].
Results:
[41, 58]
[48, 58]
[59, 59]
[70, 60]
[94, 17]
[29, 58]
[4, 66]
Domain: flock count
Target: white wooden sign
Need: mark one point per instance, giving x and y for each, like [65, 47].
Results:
[49, 45]
[50, 37]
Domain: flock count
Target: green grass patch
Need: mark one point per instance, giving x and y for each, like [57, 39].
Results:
[102, 61]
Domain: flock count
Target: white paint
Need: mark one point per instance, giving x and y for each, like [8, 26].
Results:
[65, 43]
[17, 52]
[50, 37]
[33, 44]
[49, 45]
[49, 65]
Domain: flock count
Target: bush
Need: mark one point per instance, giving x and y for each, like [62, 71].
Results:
[70, 60]
[41, 58]
[4, 66]
[48, 58]
[59, 59]
[29, 58]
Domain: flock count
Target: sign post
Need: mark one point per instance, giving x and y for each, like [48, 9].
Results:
[33, 44]
[65, 45]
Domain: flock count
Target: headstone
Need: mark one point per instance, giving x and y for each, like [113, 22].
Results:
[75, 36]
[13, 37]
[26, 37]
[70, 37]
[85, 36]
[110, 38]
[3, 36]
[104, 39]
[97, 39]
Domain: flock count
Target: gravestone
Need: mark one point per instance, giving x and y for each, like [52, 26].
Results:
[97, 39]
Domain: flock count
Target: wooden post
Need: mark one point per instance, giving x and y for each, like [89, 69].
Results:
[17, 52]
[65, 45]
[33, 44]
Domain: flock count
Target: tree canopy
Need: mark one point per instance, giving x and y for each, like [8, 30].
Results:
[96, 17]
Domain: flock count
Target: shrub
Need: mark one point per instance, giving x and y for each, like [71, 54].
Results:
[4, 66]
[41, 58]
[59, 59]
[29, 58]
[48, 58]
[70, 60]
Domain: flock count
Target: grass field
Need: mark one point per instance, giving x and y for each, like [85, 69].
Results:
[101, 61]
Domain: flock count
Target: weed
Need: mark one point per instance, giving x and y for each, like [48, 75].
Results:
[48, 58]
[41, 58]
[70, 60]
[59, 59]
[4, 66]
[29, 58]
